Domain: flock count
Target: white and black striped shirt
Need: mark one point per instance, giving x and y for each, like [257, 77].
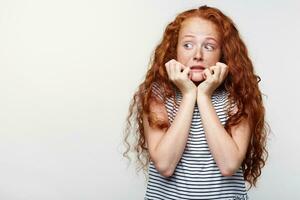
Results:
[196, 176]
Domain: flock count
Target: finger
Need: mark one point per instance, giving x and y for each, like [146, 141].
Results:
[224, 68]
[216, 71]
[221, 64]
[211, 69]
[182, 67]
[207, 74]
[167, 65]
[186, 71]
[177, 68]
[172, 70]
[224, 72]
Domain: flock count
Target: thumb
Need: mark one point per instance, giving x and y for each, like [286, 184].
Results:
[206, 74]
[186, 71]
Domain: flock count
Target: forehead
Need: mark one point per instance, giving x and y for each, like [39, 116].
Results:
[198, 27]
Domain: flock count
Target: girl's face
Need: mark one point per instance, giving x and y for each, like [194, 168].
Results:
[198, 46]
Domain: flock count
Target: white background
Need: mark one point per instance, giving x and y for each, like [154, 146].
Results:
[68, 69]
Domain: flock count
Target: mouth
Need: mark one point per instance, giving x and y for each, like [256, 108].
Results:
[197, 68]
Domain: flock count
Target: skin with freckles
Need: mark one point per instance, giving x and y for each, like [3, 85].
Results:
[201, 51]
[198, 45]
[198, 53]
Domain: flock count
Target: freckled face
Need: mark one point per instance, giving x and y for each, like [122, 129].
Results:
[198, 46]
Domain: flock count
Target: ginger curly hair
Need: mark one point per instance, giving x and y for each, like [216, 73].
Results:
[241, 84]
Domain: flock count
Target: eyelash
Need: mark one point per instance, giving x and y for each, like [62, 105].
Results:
[185, 44]
[210, 46]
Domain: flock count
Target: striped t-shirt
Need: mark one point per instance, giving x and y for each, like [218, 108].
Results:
[196, 176]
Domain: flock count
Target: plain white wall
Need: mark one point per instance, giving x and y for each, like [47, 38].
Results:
[68, 69]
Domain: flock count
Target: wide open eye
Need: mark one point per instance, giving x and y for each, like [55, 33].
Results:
[188, 45]
[209, 47]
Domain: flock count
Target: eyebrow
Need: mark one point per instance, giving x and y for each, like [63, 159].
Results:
[212, 38]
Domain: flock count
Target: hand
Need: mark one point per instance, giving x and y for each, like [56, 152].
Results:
[179, 75]
[214, 76]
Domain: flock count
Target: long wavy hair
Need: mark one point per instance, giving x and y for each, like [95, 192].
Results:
[241, 84]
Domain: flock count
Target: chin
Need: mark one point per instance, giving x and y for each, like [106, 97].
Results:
[197, 78]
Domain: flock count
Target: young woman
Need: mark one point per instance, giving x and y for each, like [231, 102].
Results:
[199, 112]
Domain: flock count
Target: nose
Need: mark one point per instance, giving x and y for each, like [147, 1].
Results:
[198, 55]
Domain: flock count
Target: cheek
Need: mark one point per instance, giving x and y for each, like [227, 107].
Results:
[183, 56]
[213, 59]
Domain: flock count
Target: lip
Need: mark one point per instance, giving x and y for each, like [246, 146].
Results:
[197, 68]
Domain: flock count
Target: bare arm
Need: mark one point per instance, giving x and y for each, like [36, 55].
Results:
[166, 146]
[228, 152]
